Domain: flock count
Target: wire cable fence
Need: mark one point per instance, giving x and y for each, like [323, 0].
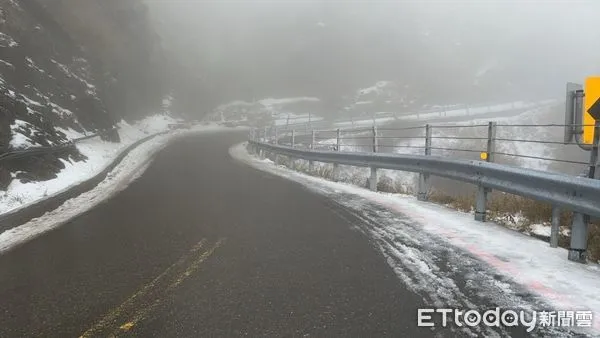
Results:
[538, 146]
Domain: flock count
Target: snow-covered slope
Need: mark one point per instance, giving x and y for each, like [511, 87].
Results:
[98, 154]
[54, 86]
[125, 172]
[266, 110]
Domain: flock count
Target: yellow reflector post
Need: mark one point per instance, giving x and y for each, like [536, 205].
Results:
[592, 94]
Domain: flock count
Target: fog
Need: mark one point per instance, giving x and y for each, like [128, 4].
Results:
[440, 51]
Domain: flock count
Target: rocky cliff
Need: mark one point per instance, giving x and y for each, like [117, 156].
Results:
[71, 65]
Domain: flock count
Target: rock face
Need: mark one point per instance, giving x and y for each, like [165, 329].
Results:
[56, 76]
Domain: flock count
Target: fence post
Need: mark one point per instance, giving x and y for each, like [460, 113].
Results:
[555, 226]
[261, 151]
[276, 142]
[311, 163]
[423, 188]
[336, 166]
[250, 138]
[373, 177]
[255, 138]
[292, 144]
[293, 138]
[579, 228]
[482, 192]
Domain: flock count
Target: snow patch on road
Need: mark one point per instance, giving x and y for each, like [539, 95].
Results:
[430, 247]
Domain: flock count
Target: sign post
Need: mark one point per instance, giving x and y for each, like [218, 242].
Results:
[579, 228]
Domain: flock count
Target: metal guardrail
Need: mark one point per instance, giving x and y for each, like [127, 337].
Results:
[36, 151]
[575, 193]
[579, 194]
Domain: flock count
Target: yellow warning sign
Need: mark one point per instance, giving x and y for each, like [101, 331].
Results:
[592, 94]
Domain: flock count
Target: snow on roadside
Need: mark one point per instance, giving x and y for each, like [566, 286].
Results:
[283, 101]
[443, 113]
[267, 102]
[99, 155]
[127, 171]
[284, 119]
[540, 229]
[511, 269]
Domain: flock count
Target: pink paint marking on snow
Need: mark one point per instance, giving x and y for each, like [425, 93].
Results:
[534, 286]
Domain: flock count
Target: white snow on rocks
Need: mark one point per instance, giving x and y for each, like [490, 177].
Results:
[20, 140]
[128, 170]
[99, 153]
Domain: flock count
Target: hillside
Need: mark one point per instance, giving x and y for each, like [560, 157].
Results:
[70, 67]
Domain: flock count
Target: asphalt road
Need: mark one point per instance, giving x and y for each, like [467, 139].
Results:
[202, 245]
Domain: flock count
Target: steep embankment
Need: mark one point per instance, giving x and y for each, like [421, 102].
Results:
[53, 83]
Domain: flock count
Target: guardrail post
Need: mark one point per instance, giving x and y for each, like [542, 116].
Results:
[373, 177]
[311, 163]
[423, 188]
[579, 228]
[578, 247]
[336, 166]
[482, 192]
[555, 226]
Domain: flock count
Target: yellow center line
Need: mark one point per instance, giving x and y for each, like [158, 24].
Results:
[142, 313]
[133, 303]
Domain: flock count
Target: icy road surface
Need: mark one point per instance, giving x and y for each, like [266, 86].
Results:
[454, 261]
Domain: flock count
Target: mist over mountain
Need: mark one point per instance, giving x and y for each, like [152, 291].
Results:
[439, 52]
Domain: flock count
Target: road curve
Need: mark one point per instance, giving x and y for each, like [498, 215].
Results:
[202, 245]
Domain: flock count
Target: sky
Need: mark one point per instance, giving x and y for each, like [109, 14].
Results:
[449, 50]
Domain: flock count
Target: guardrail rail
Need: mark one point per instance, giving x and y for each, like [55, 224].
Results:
[563, 191]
